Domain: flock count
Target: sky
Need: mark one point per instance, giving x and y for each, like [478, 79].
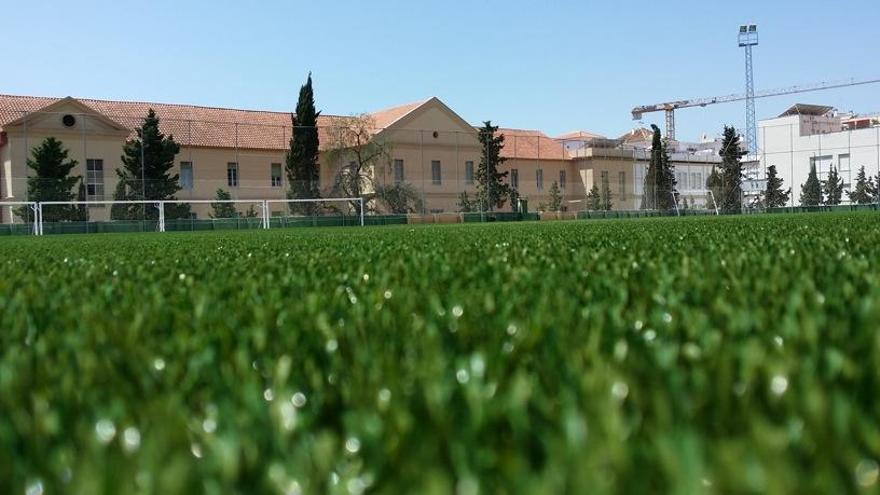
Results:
[556, 66]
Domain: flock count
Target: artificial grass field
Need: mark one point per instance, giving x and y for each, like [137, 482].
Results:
[693, 355]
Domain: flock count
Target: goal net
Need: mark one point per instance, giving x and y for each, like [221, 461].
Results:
[19, 218]
[69, 217]
[319, 212]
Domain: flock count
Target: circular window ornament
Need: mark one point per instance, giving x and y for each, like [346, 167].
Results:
[68, 120]
[436, 134]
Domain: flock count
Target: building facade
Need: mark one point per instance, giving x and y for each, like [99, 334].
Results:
[426, 145]
[814, 135]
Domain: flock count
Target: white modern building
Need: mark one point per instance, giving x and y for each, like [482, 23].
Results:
[806, 135]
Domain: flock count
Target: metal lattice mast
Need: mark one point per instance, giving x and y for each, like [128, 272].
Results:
[748, 37]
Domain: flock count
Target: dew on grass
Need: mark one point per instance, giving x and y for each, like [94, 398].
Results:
[105, 430]
[778, 384]
[298, 399]
[352, 445]
[131, 439]
[867, 472]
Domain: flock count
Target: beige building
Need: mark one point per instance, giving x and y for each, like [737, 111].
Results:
[242, 151]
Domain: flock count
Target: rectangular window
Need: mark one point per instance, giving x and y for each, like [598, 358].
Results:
[436, 178]
[94, 179]
[398, 171]
[621, 179]
[562, 179]
[514, 178]
[276, 174]
[539, 179]
[186, 175]
[469, 173]
[232, 174]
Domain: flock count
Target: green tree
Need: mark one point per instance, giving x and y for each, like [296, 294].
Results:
[774, 196]
[659, 184]
[713, 184]
[605, 195]
[863, 192]
[400, 198]
[492, 191]
[874, 188]
[223, 210]
[594, 200]
[832, 188]
[811, 190]
[555, 197]
[731, 172]
[51, 182]
[302, 158]
[147, 162]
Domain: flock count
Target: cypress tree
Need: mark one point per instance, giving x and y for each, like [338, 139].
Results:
[302, 158]
[151, 181]
[811, 190]
[649, 198]
[774, 196]
[594, 200]
[605, 195]
[492, 191]
[659, 184]
[833, 188]
[555, 197]
[52, 182]
[863, 192]
[731, 172]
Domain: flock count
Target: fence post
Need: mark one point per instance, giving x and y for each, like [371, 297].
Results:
[265, 207]
[362, 212]
[40, 218]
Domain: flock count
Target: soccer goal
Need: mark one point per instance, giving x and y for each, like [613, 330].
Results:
[318, 212]
[94, 216]
[19, 218]
[213, 214]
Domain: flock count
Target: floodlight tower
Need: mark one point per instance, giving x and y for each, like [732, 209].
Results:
[748, 37]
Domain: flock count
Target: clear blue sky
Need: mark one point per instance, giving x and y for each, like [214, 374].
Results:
[554, 66]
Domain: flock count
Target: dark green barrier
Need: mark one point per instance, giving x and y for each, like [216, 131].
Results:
[16, 229]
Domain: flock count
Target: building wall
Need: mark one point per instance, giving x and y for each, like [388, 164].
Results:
[783, 145]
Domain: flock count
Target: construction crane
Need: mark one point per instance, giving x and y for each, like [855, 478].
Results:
[671, 106]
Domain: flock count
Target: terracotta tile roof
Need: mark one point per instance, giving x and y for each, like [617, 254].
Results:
[637, 135]
[388, 116]
[191, 125]
[575, 135]
[531, 145]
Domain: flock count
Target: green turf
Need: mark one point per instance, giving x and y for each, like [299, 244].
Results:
[716, 355]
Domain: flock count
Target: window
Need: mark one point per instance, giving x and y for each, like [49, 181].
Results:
[539, 179]
[94, 179]
[562, 179]
[276, 174]
[232, 174]
[436, 178]
[469, 172]
[398, 171]
[514, 178]
[186, 175]
[621, 179]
